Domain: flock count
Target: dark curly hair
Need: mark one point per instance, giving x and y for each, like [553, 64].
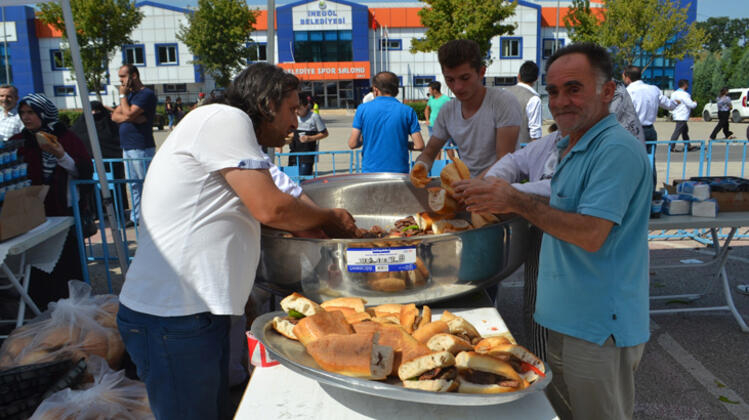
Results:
[258, 90]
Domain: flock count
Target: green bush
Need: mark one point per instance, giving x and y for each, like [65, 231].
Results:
[419, 107]
[68, 116]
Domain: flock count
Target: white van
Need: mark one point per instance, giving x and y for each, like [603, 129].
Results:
[740, 106]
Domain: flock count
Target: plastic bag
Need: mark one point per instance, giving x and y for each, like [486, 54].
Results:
[74, 328]
[110, 396]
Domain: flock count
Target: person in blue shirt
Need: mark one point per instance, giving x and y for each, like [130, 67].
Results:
[382, 127]
[135, 115]
[593, 277]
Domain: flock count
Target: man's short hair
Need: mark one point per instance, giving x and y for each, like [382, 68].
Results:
[13, 88]
[304, 99]
[386, 82]
[634, 73]
[459, 51]
[132, 70]
[258, 90]
[435, 85]
[683, 83]
[598, 57]
[528, 72]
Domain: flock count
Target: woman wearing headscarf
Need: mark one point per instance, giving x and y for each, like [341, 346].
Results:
[53, 164]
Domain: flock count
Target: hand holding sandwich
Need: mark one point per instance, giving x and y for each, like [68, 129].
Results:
[492, 195]
[49, 144]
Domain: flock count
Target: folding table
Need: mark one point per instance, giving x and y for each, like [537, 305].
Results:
[40, 248]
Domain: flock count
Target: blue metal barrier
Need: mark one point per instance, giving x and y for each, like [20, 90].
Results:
[336, 157]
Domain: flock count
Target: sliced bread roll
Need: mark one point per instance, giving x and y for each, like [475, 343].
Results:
[448, 342]
[300, 304]
[356, 355]
[441, 202]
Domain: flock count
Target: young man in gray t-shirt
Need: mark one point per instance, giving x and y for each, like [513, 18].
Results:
[483, 122]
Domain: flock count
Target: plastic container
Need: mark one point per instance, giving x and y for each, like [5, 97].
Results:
[656, 206]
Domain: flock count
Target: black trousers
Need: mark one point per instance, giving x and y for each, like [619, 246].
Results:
[536, 335]
[722, 124]
[681, 129]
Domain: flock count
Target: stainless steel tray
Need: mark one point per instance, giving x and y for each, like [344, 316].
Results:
[292, 355]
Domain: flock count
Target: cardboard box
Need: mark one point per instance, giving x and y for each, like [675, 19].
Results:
[727, 201]
[22, 211]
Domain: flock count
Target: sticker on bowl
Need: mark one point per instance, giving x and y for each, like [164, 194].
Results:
[371, 260]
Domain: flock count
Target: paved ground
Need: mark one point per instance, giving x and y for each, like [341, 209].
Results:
[695, 365]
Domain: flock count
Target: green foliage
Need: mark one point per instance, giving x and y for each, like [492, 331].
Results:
[68, 116]
[703, 90]
[419, 107]
[478, 20]
[724, 32]
[102, 26]
[740, 76]
[630, 28]
[217, 33]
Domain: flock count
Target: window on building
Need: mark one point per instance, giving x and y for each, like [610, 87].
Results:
[322, 46]
[134, 54]
[174, 88]
[102, 90]
[511, 47]
[64, 90]
[550, 46]
[423, 80]
[391, 44]
[58, 60]
[258, 51]
[505, 81]
[166, 55]
[5, 78]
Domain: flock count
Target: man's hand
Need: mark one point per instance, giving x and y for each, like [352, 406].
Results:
[340, 225]
[123, 89]
[491, 195]
[419, 175]
[305, 138]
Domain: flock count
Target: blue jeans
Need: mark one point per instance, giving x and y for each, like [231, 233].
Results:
[171, 120]
[183, 361]
[136, 169]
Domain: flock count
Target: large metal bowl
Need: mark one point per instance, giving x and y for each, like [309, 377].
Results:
[453, 263]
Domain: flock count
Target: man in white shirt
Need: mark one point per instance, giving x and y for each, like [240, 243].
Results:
[681, 113]
[206, 193]
[530, 101]
[10, 122]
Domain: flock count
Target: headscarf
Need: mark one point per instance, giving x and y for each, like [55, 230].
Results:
[44, 108]
[47, 112]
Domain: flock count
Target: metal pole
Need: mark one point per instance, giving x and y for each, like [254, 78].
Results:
[106, 195]
[271, 32]
[5, 51]
[556, 31]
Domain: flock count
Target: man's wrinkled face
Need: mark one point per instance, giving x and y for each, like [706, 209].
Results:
[464, 81]
[8, 99]
[575, 99]
[285, 121]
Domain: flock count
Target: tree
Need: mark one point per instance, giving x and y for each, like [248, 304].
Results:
[703, 90]
[724, 32]
[478, 20]
[217, 34]
[102, 27]
[740, 77]
[637, 31]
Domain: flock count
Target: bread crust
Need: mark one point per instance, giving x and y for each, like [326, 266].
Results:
[419, 365]
[355, 303]
[448, 342]
[424, 333]
[300, 304]
[485, 363]
[284, 327]
[441, 202]
[321, 324]
[352, 355]
[432, 385]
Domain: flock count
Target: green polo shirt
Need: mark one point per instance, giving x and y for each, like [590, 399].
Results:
[593, 295]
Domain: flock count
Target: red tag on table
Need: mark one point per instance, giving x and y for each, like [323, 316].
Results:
[259, 356]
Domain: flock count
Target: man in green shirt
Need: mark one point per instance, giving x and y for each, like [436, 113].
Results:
[435, 102]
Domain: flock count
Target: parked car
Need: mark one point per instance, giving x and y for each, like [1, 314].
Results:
[740, 106]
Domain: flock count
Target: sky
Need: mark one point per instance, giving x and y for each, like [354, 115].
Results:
[705, 8]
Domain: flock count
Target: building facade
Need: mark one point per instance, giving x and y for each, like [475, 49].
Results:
[334, 47]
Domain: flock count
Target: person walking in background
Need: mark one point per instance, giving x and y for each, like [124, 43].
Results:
[10, 122]
[179, 110]
[530, 101]
[383, 126]
[169, 109]
[315, 105]
[311, 129]
[54, 163]
[135, 115]
[680, 114]
[724, 111]
[435, 102]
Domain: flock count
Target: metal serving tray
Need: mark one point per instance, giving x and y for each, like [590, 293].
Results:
[292, 355]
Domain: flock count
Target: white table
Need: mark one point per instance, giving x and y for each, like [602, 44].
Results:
[40, 248]
[731, 220]
[279, 393]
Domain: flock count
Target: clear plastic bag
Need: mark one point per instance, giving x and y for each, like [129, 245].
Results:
[72, 328]
[110, 396]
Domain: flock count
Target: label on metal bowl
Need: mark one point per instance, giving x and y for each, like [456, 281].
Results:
[370, 260]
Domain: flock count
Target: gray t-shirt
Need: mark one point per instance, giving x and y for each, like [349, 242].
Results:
[476, 136]
[310, 122]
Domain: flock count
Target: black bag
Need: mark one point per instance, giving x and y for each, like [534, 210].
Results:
[86, 206]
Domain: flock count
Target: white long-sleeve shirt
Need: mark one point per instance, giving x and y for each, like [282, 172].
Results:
[686, 104]
[535, 163]
[534, 112]
[646, 100]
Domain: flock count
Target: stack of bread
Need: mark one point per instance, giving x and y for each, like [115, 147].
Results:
[392, 340]
[77, 327]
